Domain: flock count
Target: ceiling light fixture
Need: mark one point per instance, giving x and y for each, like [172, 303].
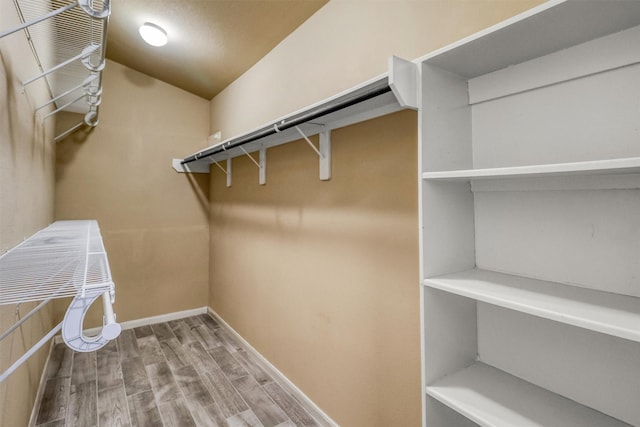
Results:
[153, 34]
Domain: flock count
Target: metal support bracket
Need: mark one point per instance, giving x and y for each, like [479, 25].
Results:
[261, 164]
[228, 172]
[324, 152]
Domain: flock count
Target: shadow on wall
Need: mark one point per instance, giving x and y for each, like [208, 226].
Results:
[138, 79]
[7, 108]
[200, 185]
[68, 148]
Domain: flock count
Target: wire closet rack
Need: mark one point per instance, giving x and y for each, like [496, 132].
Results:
[65, 259]
[68, 41]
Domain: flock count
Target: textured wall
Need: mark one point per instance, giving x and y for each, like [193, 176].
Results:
[26, 206]
[154, 221]
[322, 277]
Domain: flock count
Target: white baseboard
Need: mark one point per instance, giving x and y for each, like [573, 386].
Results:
[130, 324]
[274, 371]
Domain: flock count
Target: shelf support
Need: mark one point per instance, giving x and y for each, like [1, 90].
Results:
[229, 172]
[262, 180]
[324, 153]
[403, 80]
[86, 52]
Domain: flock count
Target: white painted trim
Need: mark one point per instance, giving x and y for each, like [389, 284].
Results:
[35, 409]
[274, 371]
[146, 321]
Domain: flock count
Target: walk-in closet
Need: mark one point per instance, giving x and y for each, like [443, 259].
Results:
[287, 213]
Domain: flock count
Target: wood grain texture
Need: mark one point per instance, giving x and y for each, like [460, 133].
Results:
[205, 336]
[163, 383]
[54, 400]
[143, 410]
[84, 368]
[200, 358]
[176, 414]
[127, 345]
[224, 393]
[289, 405]
[112, 407]
[162, 331]
[182, 331]
[260, 403]
[209, 321]
[229, 365]
[60, 361]
[143, 331]
[109, 369]
[150, 350]
[206, 415]
[244, 419]
[192, 385]
[227, 340]
[135, 376]
[83, 405]
[174, 353]
[253, 367]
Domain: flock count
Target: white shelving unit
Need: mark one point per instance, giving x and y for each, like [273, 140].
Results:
[530, 220]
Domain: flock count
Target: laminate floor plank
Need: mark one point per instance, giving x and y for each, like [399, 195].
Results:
[55, 400]
[150, 350]
[182, 331]
[174, 353]
[224, 393]
[128, 345]
[143, 331]
[229, 364]
[185, 372]
[253, 367]
[109, 368]
[112, 407]
[163, 384]
[85, 368]
[143, 410]
[289, 405]
[82, 409]
[206, 415]
[162, 331]
[268, 412]
[206, 337]
[192, 385]
[60, 361]
[176, 414]
[209, 321]
[135, 376]
[244, 419]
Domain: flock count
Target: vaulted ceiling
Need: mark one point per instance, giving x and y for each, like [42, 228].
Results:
[211, 42]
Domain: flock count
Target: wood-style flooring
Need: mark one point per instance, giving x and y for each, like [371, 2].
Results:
[187, 372]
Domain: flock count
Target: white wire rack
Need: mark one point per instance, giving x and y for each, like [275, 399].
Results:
[68, 40]
[66, 259]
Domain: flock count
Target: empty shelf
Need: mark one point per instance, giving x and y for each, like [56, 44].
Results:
[493, 398]
[596, 167]
[604, 312]
[62, 260]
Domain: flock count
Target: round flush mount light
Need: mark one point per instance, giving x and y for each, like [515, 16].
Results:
[153, 34]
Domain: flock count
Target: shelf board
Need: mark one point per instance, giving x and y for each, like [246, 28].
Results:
[493, 398]
[608, 313]
[596, 167]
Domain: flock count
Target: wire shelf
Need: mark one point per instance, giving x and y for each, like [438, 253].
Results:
[65, 259]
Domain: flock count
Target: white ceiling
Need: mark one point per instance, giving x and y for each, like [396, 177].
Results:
[211, 42]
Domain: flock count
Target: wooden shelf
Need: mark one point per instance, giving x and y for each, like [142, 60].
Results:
[493, 398]
[604, 312]
[597, 167]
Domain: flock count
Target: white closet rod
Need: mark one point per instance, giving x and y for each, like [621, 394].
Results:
[30, 352]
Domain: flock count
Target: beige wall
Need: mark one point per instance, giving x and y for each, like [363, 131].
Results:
[154, 221]
[26, 205]
[322, 277]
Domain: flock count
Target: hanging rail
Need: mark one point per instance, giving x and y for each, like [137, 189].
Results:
[292, 122]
